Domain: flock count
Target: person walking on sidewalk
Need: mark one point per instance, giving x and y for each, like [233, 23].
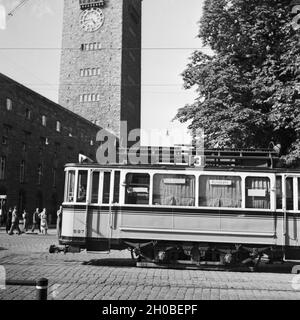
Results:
[44, 224]
[59, 221]
[14, 222]
[25, 221]
[36, 220]
[8, 220]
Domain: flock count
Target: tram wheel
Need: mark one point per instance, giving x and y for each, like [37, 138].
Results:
[134, 256]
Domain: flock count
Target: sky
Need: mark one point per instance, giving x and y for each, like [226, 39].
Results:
[30, 43]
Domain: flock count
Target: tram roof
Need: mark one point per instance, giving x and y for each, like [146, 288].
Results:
[185, 158]
[182, 168]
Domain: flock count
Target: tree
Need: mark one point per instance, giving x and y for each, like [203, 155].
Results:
[248, 91]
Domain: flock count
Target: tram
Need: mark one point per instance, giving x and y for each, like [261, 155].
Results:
[236, 209]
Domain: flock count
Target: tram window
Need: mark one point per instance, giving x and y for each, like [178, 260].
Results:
[220, 191]
[82, 184]
[258, 192]
[137, 188]
[278, 192]
[95, 186]
[289, 194]
[117, 187]
[106, 187]
[69, 197]
[173, 190]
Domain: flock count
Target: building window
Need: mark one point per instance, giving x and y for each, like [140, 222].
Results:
[4, 140]
[28, 114]
[40, 174]
[27, 135]
[9, 104]
[58, 126]
[89, 97]
[57, 146]
[54, 177]
[2, 167]
[24, 147]
[22, 171]
[6, 134]
[91, 46]
[44, 121]
[43, 142]
[89, 72]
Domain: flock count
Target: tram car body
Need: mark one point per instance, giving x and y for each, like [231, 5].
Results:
[164, 213]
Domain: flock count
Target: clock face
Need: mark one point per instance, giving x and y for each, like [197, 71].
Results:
[91, 19]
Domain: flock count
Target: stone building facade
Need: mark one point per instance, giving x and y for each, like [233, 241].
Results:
[100, 75]
[38, 137]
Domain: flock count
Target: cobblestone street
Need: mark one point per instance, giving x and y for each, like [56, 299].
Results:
[114, 276]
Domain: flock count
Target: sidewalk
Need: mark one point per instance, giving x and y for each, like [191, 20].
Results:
[51, 228]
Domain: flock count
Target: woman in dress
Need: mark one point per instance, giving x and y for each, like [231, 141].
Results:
[44, 224]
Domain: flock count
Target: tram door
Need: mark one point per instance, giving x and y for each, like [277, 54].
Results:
[100, 209]
[291, 208]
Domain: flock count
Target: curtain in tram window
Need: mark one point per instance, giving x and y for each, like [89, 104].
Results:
[261, 201]
[174, 190]
[220, 191]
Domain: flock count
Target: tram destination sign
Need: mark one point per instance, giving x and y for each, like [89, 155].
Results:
[220, 182]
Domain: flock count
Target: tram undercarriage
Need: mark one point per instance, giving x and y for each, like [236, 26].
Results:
[203, 254]
[186, 254]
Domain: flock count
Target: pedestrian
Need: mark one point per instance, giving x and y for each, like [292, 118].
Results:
[8, 220]
[1, 215]
[44, 224]
[59, 221]
[14, 222]
[25, 221]
[36, 220]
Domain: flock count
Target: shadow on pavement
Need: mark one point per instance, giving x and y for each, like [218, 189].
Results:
[285, 268]
[111, 262]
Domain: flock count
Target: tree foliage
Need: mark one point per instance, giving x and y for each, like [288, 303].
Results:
[248, 91]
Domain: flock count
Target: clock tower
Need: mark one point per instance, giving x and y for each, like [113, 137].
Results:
[100, 75]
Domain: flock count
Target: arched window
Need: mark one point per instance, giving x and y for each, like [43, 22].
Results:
[22, 171]
[44, 120]
[22, 201]
[9, 104]
[58, 126]
[2, 167]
